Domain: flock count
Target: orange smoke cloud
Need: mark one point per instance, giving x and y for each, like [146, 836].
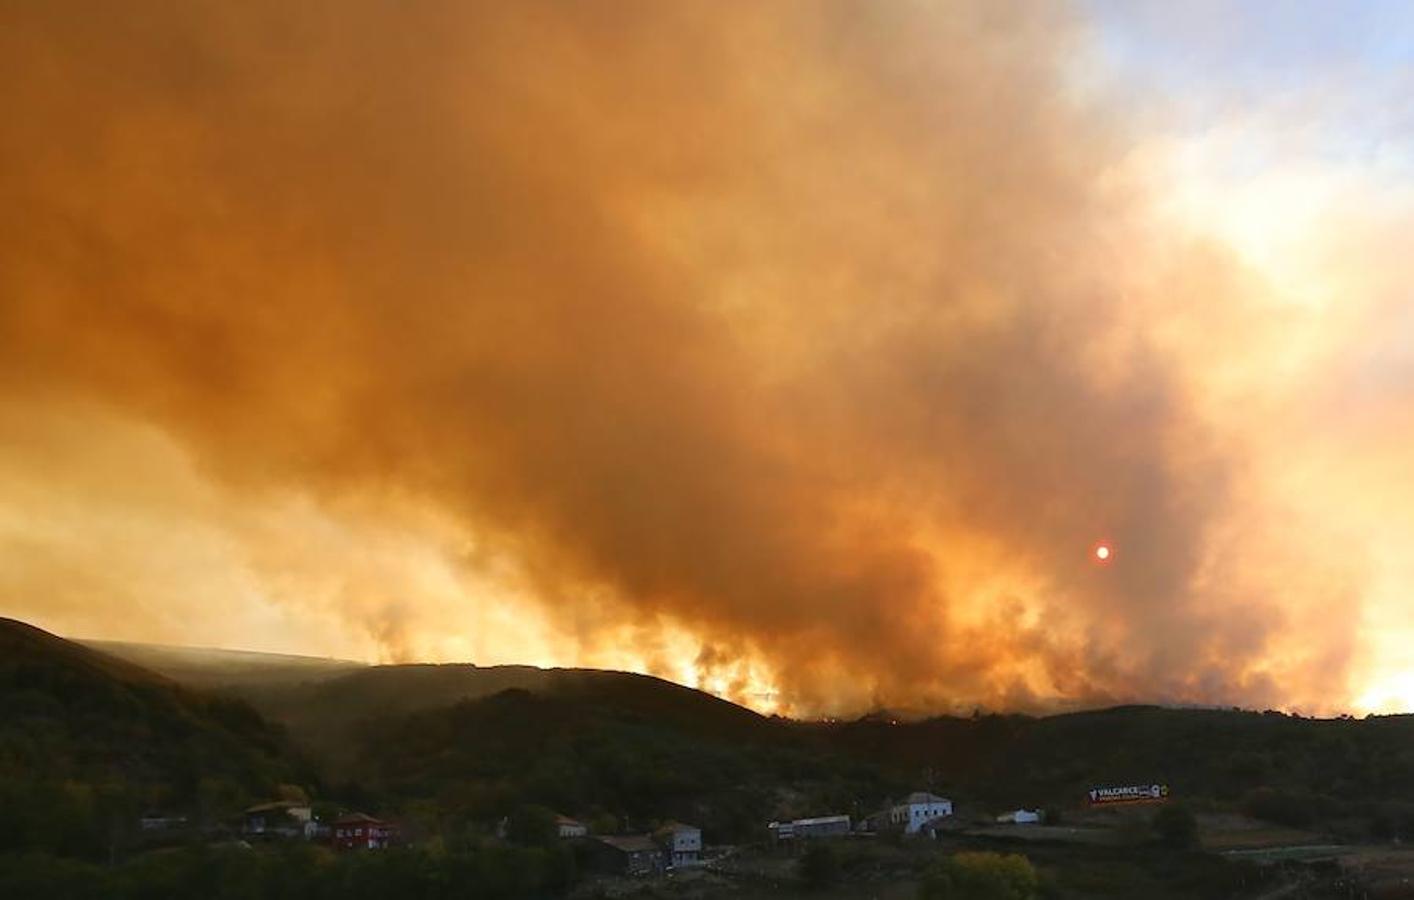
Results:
[801, 350]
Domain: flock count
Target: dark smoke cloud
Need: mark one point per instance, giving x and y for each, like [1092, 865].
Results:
[806, 328]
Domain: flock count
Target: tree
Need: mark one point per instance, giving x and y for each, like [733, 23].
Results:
[1176, 826]
[291, 792]
[980, 876]
[532, 826]
[603, 823]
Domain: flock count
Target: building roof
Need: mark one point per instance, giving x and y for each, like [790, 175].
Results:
[923, 797]
[677, 826]
[358, 818]
[820, 820]
[629, 843]
[275, 806]
[566, 820]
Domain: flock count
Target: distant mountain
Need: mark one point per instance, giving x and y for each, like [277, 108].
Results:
[477, 741]
[322, 694]
[325, 715]
[90, 724]
[207, 667]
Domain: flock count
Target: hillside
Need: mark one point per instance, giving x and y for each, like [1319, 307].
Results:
[631, 746]
[86, 739]
[212, 668]
[329, 715]
[598, 758]
[1343, 772]
[589, 751]
[388, 690]
[477, 741]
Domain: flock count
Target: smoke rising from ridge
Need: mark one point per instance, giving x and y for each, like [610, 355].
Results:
[805, 347]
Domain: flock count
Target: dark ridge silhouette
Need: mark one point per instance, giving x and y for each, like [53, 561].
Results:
[326, 715]
[69, 713]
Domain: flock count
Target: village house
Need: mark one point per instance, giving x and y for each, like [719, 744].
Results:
[279, 819]
[1020, 817]
[682, 843]
[627, 854]
[805, 829]
[157, 821]
[570, 828]
[918, 809]
[357, 831]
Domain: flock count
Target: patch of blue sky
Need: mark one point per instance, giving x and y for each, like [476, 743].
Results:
[1317, 79]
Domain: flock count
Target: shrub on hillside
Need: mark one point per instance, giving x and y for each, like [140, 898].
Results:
[980, 876]
[820, 866]
[1290, 808]
[1175, 826]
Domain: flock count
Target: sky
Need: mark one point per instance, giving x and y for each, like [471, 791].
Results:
[802, 352]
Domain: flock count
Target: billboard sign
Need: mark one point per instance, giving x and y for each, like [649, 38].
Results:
[1136, 793]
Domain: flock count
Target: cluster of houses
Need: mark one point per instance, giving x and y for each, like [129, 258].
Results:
[676, 845]
[286, 820]
[672, 846]
[918, 813]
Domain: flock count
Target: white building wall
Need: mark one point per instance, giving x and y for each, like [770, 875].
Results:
[912, 816]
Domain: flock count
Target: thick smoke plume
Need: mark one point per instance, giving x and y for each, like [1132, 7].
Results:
[801, 349]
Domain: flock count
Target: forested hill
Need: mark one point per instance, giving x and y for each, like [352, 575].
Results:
[82, 732]
[484, 739]
[387, 690]
[329, 716]
[1218, 754]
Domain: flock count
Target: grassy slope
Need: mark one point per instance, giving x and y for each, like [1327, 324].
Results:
[69, 713]
[210, 668]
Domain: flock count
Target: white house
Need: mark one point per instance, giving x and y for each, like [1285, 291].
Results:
[569, 828]
[917, 809]
[1021, 817]
[286, 819]
[682, 843]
